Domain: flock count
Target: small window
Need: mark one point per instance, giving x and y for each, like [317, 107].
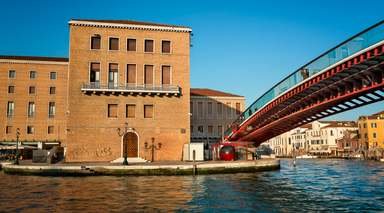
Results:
[238, 109]
[10, 108]
[51, 109]
[32, 74]
[131, 44]
[130, 110]
[148, 46]
[219, 108]
[209, 108]
[30, 130]
[112, 110]
[95, 42]
[200, 129]
[220, 130]
[210, 130]
[11, 89]
[374, 135]
[52, 90]
[148, 111]
[166, 75]
[166, 46]
[32, 90]
[94, 75]
[113, 44]
[51, 129]
[131, 73]
[31, 109]
[52, 75]
[12, 74]
[8, 129]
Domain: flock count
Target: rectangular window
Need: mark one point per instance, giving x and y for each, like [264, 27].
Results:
[148, 46]
[374, 135]
[31, 109]
[130, 110]
[200, 109]
[209, 108]
[191, 107]
[113, 75]
[113, 44]
[200, 129]
[51, 129]
[51, 109]
[191, 129]
[95, 42]
[148, 76]
[8, 130]
[219, 108]
[94, 75]
[131, 73]
[131, 44]
[30, 130]
[52, 90]
[32, 90]
[11, 89]
[52, 75]
[238, 109]
[32, 74]
[210, 130]
[220, 130]
[112, 110]
[166, 46]
[12, 74]
[10, 108]
[166, 75]
[229, 109]
[148, 111]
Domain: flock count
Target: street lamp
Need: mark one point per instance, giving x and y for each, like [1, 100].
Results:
[125, 145]
[153, 148]
[17, 146]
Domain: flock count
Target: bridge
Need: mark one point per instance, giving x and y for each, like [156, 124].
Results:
[345, 77]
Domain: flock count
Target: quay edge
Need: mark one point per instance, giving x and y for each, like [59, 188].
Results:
[202, 168]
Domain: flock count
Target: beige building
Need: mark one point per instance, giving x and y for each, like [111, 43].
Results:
[212, 112]
[318, 138]
[125, 84]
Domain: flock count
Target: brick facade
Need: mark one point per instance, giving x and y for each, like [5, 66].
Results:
[83, 123]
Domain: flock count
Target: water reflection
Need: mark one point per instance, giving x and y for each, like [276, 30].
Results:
[313, 185]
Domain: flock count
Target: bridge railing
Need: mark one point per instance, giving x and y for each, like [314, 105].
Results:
[359, 42]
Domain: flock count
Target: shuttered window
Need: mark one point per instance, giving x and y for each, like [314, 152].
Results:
[130, 110]
[95, 42]
[131, 44]
[148, 46]
[113, 75]
[113, 44]
[131, 73]
[166, 46]
[238, 110]
[112, 110]
[166, 75]
[148, 111]
[148, 76]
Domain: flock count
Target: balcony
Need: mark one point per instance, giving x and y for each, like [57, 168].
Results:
[131, 89]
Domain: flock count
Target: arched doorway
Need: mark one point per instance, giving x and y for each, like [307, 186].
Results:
[131, 145]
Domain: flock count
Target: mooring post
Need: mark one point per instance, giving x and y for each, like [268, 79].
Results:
[194, 162]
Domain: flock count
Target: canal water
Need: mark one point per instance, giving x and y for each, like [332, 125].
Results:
[313, 185]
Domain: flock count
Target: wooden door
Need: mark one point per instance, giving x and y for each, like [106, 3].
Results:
[131, 145]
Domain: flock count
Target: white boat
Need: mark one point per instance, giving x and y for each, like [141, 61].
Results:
[306, 156]
[382, 159]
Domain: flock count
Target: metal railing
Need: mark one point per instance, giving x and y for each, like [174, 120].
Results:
[95, 86]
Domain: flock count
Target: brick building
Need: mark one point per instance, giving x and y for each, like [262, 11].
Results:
[125, 83]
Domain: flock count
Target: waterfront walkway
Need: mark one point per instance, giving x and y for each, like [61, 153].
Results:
[155, 168]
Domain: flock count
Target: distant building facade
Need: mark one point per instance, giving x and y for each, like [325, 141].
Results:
[212, 112]
[124, 83]
[348, 145]
[371, 130]
[317, 138]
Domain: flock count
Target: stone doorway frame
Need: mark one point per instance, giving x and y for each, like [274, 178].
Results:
[122, 143]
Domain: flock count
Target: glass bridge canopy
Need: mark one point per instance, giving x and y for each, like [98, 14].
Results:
[356, 43]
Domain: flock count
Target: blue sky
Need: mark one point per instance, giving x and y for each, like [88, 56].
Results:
[243, 47]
